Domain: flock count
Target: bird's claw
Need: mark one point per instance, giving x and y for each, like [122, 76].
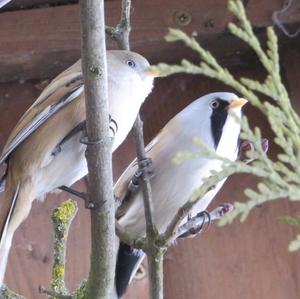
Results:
[134, 183]
[144, 164]
[198, 229]
[247, 146]
[56, 150]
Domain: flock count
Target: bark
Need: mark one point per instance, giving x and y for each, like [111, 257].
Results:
[99, 157]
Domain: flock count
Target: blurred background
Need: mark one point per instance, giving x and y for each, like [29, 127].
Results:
[40, 38]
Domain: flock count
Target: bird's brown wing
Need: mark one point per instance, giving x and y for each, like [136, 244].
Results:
[60, 92]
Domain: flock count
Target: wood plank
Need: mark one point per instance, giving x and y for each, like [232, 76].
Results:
[39, 43]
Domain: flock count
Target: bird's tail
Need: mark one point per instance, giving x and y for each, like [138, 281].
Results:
[128, 262]
[14, 208]
[5, 238]
[2, 184]
[3, 175]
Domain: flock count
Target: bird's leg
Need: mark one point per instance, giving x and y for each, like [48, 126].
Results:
[197, 229]
[84, 140]
[145, 167]
[134, 184]
[195, 224]
[81, 195]
[144, 164]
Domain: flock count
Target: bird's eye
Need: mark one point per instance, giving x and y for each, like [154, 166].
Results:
[215, 104]
[130, 63]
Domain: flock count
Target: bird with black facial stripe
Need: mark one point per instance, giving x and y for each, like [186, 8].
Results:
[44, 150]
[209, 118]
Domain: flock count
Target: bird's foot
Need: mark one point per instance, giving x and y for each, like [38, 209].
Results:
[193, 231]
[144, 166]
[194, 225]
[134, 183]
[246, 147]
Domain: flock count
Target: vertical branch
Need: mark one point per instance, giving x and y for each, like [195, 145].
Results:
[123, 28]
[155, 264]
[99, 157]
[121, 35]
[146, 187]
[154, 252]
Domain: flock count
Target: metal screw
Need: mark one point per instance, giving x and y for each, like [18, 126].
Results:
[182, 18]
[209, 24]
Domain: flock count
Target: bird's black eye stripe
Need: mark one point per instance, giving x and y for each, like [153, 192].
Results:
[130, 63]
[218, 119]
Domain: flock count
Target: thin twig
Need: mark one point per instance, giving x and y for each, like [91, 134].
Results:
[54, 294]
[121, 35]
[62, 218]
[123, 28]
[121, 32]
[145, 181]
[154, 253]
[128, 239]
[6, 293]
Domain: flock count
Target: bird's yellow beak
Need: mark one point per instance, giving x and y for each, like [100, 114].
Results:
[152, 72]
[238, 103]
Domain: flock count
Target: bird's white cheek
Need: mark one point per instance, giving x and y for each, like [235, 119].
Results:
[227, 146]
[124, 109]
[148, 85]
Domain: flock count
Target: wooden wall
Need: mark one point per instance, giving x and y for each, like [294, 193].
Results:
[248, 260]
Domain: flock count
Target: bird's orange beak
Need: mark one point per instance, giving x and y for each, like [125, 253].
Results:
[152, 72]
[238, 103]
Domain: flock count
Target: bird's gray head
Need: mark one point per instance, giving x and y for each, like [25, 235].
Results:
[129, 64]
[219, 106]
[211, 118]
[130, 73]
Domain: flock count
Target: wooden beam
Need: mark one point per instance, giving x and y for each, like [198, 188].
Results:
[38, 43]
[30, 4]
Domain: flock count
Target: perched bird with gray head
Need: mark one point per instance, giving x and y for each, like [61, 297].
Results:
[209, 118]
[44, 152]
